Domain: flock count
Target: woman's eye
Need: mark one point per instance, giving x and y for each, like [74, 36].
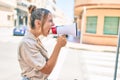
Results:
[50, 20]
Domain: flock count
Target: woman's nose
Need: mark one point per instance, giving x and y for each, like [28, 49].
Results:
[53, 24]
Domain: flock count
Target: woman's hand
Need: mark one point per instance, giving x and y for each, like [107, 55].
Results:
[61, 41]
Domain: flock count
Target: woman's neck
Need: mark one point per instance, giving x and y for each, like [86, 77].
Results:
[35, 33]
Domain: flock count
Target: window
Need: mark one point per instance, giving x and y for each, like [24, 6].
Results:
[91, 24]
[111, 25]
[8, 17]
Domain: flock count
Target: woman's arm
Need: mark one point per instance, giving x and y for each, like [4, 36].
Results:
[61, 42]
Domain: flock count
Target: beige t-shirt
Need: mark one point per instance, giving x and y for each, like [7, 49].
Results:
[32, 57]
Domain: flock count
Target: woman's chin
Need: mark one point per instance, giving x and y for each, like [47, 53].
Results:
[45, 35]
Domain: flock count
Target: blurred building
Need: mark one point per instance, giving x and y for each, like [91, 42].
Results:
[98, 21]
[7, 13]
[15, 12]
[59, 17]
[21, 12]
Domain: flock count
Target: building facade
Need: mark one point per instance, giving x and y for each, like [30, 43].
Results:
[14, 13]
[21, 13]
[7, 13]
[98, 21]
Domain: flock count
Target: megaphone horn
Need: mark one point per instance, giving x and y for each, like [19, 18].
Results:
[66, 29]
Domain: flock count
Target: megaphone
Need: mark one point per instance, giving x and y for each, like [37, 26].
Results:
[65, 29]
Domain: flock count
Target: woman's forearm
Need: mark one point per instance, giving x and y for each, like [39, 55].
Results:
[52, 61]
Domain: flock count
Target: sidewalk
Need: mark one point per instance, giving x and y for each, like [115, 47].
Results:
[90, 47]
[71, 59]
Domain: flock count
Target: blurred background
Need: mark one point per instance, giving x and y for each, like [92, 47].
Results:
[93, 57]
[15, 12]
[98, 22]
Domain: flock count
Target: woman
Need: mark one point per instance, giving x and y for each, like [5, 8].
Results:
[33, 57]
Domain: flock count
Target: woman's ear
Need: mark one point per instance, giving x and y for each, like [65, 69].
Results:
[37, 22]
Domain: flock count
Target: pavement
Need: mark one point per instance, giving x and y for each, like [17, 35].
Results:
[76, 61]
[91, 47]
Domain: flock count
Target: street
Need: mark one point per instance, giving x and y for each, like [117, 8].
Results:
[88, 65]
[73, 64]
[9, 69]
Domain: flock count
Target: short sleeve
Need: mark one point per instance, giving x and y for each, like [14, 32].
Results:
[32, 56]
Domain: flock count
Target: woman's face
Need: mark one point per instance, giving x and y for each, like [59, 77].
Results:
[48, 24]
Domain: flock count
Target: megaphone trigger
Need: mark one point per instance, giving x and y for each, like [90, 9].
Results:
[65, 35]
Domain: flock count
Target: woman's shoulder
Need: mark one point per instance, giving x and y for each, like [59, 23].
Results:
[28, 41]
